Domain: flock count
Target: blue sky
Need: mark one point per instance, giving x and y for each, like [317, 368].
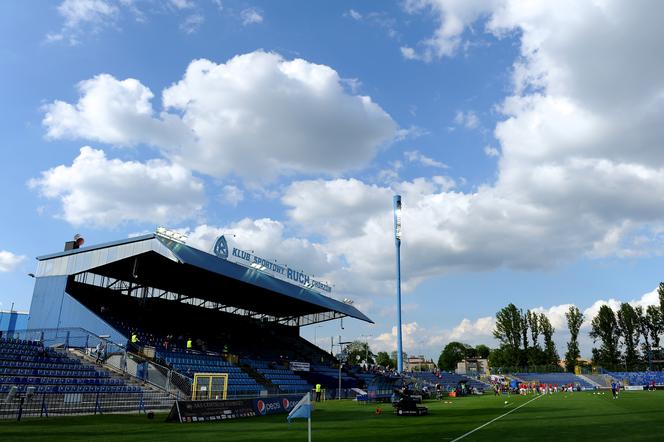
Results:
[526, 142]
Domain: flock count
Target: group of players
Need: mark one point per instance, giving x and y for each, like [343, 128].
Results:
[525, 388]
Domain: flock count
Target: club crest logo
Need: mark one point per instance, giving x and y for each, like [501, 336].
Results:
[285, 403]
[260, 405]
[221, 247]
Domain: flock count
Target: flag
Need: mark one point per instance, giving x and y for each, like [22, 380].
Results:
[302, 409]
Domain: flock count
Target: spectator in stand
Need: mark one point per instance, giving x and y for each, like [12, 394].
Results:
[132, 345]
[166, 343]
[101, 350]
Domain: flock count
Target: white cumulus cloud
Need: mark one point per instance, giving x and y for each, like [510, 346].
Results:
[106, 192]
[9, 261]
[256, 116]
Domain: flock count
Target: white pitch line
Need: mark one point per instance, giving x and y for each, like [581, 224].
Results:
[495, 419]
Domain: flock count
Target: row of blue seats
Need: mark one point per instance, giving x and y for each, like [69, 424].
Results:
[427, 376]
[274, 371]
[241, 382]
[203, 369]
[28, 349]
[54, 373]
[244, 389]
[193, 361]
[295, 389]
[207, 369]
[289, 382]
[59, 381]
[22, 342]
[42, 363]
[69, 389]
[44, 366]
[255, 364]
[281, 376]
[28, 356]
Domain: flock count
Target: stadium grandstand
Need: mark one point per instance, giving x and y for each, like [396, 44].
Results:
[126, 326]
[163, 311]
[449, 381]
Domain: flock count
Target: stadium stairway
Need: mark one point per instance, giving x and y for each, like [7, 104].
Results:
[279, 377]
[159, 397]
[592, 381]
[603, 380]
[259, 378]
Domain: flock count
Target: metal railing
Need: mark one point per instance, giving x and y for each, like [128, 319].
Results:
[49, 404]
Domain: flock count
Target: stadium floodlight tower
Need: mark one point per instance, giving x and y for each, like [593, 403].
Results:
[397, 242]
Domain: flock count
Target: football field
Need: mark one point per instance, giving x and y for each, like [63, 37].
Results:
[634, 416]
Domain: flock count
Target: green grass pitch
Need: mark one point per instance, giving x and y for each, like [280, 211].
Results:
[635, 416]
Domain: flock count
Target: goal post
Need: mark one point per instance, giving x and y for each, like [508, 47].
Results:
[209, 386]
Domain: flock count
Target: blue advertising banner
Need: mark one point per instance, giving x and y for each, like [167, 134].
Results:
[213, 411]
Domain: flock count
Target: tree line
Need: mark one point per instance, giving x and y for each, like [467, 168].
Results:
[628, 336]
[526, 339]
[623, 338]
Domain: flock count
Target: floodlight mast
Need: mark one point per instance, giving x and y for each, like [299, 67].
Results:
[397, 242]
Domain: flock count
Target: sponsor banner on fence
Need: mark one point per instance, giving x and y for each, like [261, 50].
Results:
[206, 411]
[633, 387]
[300, 366]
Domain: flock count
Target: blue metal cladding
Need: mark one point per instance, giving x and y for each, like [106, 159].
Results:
[11, 321]
[53, 307]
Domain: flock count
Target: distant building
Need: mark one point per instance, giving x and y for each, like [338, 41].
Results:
[473, 367]
[418, 363]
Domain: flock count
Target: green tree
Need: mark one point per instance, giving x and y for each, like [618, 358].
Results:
[509, 326]
[383, 359]
[655, 324]
[524, 329]
[574, 321]
[499, 358]
[482, 351]
[533, 323]
[629, 328]
[644, 328]
[358, 352]
[660, 292]
[604, 328]
[550, 352]
[452, 354]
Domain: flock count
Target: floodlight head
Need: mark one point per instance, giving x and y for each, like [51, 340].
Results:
[171, 234]
[397, 217]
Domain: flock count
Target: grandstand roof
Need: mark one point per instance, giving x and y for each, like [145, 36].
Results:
[158, 267]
